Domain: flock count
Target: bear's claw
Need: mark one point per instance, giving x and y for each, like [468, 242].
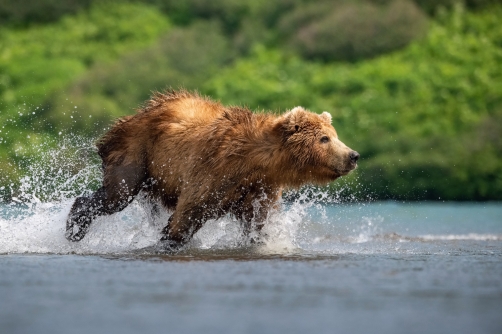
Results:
[168, 245]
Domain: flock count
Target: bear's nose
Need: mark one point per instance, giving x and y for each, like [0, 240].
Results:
[354, 156]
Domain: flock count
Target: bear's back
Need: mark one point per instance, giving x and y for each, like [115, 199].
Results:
[195, 109]
[183, 107]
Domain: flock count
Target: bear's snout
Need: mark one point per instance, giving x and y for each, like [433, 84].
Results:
[351, 162]
[354, 156]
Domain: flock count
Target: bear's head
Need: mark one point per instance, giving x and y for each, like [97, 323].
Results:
[314, 146]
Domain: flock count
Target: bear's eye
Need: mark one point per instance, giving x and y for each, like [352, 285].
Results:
[324, 139]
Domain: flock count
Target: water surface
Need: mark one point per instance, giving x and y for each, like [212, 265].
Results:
[322, 268]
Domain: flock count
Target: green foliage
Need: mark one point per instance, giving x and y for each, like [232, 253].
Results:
[229, 12]
[267, 80]
[23, 12]
[243, 22]
[101, 34]
[352, 30]
[436, 6]
[69, 46]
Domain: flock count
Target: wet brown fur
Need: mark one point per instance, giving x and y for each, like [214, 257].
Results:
[203, 160]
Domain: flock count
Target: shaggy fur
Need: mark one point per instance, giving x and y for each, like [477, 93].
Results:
[204, 160]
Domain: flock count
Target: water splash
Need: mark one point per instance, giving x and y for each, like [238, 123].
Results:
[38, 227]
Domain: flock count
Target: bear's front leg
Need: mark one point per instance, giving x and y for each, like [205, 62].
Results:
[255, 210]
[253, 220]
[182, 225]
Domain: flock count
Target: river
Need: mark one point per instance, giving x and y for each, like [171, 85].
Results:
[322, 267]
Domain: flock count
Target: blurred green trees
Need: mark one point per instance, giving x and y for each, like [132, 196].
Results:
[29, 12]
[353, 29]
[414, 86]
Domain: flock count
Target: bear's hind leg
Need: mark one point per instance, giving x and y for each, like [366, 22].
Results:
[121, 185]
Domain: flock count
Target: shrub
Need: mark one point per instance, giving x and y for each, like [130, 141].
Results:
[26, 12]
[433, 6]
[353, 30]
[229, 12]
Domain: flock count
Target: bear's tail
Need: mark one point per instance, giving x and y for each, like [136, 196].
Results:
[112, 141]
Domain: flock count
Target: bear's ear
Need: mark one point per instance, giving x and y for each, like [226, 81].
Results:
[326, 117]
[292, 120]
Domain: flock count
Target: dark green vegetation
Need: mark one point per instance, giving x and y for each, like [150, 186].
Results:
[414, 86]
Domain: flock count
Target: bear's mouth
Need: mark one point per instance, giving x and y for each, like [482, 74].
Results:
[347, 170]
[344, 171]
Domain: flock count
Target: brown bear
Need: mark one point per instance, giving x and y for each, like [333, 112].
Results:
[203, 160]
